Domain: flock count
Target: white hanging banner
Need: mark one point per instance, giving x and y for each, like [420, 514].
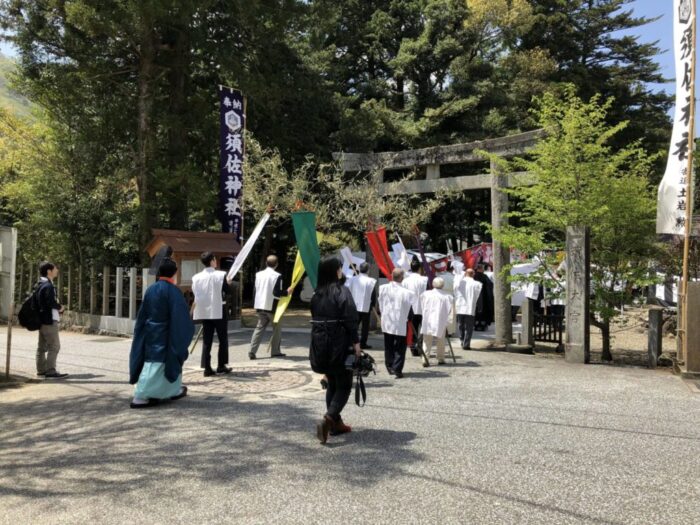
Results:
[248, 246]
[673, 198]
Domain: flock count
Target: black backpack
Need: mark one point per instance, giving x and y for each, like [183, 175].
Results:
[28, 315]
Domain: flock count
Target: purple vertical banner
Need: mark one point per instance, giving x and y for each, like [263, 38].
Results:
[232, 124]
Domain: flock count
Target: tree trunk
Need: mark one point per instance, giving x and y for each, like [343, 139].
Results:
[178, 77]
[146, 74]
[399, 99]
[605, 335]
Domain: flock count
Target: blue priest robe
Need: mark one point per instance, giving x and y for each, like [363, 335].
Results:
[162, 333]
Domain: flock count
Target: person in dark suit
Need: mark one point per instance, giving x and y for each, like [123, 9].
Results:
[49, 313]
[334, 337]
[484, 317]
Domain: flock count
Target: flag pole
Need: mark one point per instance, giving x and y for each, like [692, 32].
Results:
[241, 280]
[690, 198]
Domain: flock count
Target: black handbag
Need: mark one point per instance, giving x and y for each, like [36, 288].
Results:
[361, 367]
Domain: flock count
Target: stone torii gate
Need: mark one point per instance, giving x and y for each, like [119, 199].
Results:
[432, 159]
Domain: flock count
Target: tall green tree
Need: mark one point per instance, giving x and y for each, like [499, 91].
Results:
[410, 73]
[582, 180]
[593, 44]
[61, 211]
[135, 83]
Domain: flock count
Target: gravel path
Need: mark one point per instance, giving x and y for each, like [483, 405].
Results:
[495, 438]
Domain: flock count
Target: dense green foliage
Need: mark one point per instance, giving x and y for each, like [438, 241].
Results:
[583, 181]
[9, 98]
[127, 91]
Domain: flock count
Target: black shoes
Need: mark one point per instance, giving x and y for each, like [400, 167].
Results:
[154, 402]
[151, 403]
[365, 346]
[208, 372]
[251, 356]
[323, 428]
[279, 355]
[182, 394]
[398, 375]
[54, 375]
[391, 371]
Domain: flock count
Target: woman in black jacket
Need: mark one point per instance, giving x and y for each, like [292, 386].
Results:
[334, 337]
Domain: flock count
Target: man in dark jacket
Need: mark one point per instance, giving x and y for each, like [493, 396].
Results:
[49, 312]
[485, 317]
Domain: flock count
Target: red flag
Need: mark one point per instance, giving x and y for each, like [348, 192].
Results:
[381, 234]
[378, 246]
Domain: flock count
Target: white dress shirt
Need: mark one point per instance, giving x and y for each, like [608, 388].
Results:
[394, 304]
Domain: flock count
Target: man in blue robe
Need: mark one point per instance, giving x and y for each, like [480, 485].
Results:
[162, 334]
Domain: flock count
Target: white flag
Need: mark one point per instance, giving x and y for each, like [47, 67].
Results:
[248, 246]
[673, 198]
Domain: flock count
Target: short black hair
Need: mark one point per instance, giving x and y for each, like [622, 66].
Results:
[45, 267]
[364, 267]
[167, 268]
[207, 258]
[415, 265]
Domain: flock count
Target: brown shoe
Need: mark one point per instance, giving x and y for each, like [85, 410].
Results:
[323, 428]
[340, 428]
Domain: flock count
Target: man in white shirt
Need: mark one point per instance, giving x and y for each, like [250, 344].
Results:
[444, 271]
[467, 294]
[210, 287]
[555, 295]
[437, 309]
[394, 306]
[268, 288]
[416, 283]
[364, 292]
[447, 274]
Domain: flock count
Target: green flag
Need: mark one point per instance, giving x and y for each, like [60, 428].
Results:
[305, 231]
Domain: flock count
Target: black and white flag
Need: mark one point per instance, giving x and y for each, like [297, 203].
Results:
[673, 198]
[232, 124]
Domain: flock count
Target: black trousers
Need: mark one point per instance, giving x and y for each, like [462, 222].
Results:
[394, 352]
[221, 328]
[416, 322]
[466, 329]
[338, 392]
[364, 332]
[557, 309]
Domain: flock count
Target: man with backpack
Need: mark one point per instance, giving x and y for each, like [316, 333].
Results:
[49, 314]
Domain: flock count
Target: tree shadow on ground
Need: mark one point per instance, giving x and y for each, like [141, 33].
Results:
[84, 446]
[428, 373]
[449, 364]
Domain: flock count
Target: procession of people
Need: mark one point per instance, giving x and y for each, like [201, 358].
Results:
[410, 303]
